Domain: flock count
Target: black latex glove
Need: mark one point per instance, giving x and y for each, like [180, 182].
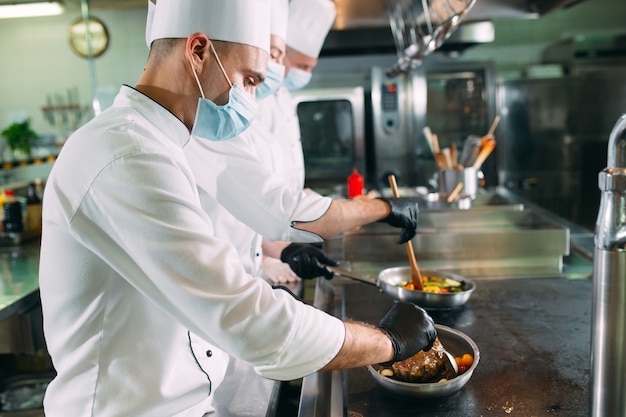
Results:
[404, 214]
[410, 328]
[307, 261]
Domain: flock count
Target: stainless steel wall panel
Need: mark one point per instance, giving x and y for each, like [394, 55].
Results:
[553, 138]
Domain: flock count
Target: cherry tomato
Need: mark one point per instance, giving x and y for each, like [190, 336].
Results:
[467, 360]
[464, 362]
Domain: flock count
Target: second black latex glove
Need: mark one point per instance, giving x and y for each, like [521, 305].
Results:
[410, 328]
[404, 214]
[307, 261]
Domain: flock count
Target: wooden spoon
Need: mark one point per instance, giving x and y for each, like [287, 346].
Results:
[416, 277]
[494, 124]
[484, 153]
[455, 192]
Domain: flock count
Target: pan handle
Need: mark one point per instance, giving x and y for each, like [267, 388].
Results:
[353, 275]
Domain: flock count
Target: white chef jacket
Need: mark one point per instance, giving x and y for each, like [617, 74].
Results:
[246, 241]
[233, 173]
[254, 183]
[246, 176]
[281, 143]
[129, 263]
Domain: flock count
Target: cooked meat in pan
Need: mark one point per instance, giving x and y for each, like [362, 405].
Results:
[431, 366]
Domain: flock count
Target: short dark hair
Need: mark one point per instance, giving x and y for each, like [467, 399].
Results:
[221, 47]
[161, 48]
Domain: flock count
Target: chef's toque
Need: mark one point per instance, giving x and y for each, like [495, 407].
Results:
[150, 21]
[239, 21]
[309, 23]
[279, 18]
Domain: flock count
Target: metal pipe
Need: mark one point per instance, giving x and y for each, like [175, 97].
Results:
[84, 8]
[608, 325]
[617, 144]
[610, 225]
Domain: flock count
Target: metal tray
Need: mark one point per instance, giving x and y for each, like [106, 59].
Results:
[16, 239]
[23, 392]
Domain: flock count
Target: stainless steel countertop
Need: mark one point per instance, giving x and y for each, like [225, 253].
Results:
[533, 332]
[534, 340]
[243, 393]
[19, 278]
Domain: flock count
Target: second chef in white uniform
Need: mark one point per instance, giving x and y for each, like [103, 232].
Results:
[240, 176]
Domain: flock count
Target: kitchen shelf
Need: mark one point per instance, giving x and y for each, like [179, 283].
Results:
[25, 162]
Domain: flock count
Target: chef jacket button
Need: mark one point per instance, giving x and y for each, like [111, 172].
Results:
[209, 353]
[258, 254]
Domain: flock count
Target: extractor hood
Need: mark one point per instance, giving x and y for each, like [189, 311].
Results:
[604, 47]
[362, 26]
[355, 14]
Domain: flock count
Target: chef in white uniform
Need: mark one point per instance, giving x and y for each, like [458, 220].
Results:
[245, 239]
[246, 175]
[129, 260]
[309, 24]
[279, 143]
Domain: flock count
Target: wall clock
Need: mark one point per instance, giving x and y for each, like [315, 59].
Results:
[78, 37]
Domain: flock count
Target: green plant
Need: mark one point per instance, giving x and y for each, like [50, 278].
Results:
[20, 136]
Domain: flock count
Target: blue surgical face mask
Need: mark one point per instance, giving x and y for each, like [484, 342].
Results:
[297, 79]
[273, 79]
[218, 123]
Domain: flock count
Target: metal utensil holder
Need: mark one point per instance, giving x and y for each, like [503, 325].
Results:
[420, 27]
[608, 324]
[450, 178]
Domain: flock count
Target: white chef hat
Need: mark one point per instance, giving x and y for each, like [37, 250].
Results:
[279, 18]
[240, 21]
[150, 21]
[309, 23]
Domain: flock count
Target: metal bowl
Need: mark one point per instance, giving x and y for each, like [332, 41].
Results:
[456, 343]
[389, 281]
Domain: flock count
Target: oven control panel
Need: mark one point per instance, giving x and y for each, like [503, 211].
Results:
[389, 106]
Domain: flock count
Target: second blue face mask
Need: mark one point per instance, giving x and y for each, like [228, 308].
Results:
[225, 122]
[297, 79]
[273, 80]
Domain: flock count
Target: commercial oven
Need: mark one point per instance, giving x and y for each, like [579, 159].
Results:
[332, 123]
[453, 99]
[354, 115]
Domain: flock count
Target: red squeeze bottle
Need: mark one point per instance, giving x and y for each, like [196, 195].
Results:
[355, 184]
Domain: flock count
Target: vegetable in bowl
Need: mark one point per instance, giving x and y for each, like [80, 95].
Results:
[435, 284]
[449, 290]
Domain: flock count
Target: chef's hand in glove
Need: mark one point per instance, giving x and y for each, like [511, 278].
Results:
[410, 329]
[404, 214]
[307, 261]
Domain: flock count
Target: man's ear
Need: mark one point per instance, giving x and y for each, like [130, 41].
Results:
[197, 49]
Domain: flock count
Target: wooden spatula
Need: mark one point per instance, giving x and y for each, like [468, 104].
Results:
[416, 277]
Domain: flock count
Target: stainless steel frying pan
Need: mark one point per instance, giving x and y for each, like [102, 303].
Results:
[389, 282]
